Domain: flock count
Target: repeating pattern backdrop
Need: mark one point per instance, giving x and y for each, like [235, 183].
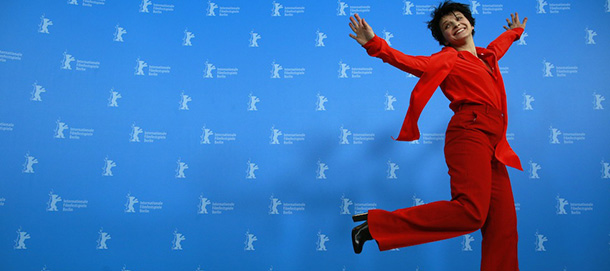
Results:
[242, 135]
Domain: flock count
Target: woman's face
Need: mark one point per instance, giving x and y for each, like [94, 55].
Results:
[456, 28]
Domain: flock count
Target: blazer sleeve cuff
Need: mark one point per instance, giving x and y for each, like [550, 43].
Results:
[518, 32]
[373, 46]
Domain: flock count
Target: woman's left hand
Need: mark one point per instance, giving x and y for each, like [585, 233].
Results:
[514, 22]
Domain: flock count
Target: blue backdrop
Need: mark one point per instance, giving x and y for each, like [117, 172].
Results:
[242, 135]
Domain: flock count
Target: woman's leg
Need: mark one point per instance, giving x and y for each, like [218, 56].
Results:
[499, 252]
[468, 153]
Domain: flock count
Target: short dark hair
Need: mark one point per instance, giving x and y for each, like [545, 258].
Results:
[443, 9]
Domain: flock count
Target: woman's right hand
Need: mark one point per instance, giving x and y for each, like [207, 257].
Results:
[363, 30]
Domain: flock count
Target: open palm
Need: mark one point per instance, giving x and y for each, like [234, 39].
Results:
[361, 28]
[514, 22]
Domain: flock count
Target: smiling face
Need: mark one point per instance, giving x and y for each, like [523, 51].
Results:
[456, 29]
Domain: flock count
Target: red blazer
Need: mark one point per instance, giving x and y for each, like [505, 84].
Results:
[463, 78]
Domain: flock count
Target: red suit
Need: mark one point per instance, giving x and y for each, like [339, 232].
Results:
[476, 152]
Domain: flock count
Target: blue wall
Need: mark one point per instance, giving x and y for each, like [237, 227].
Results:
[130, 144]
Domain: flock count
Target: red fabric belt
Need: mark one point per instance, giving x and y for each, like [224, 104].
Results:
[488, 109]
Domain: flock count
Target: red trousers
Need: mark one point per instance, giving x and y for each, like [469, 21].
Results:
[481, 196]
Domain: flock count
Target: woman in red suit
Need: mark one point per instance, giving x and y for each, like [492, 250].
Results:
[476, 150]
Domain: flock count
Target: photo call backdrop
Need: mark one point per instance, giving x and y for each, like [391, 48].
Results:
[242, 135]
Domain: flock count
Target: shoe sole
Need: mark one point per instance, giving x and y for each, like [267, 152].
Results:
[360, 217]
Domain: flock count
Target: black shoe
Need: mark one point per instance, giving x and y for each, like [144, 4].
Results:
[360, 217]
[360, 234]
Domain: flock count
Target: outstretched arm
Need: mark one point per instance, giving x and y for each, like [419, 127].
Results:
[514, 29]
[378, 47]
